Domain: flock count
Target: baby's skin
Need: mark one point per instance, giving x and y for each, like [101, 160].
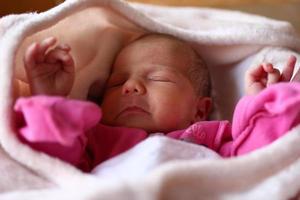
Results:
[263, 75]
[149, 87]
[94, 47]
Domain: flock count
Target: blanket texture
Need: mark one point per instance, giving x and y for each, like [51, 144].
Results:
[228, 41]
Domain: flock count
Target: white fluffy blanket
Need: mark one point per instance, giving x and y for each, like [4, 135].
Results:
[230, 42]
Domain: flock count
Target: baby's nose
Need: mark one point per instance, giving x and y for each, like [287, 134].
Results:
[133, 86]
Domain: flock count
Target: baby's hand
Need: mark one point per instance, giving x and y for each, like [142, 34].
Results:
[49, 70]
[262, 76]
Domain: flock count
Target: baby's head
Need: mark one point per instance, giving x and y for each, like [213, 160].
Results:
[158, 83]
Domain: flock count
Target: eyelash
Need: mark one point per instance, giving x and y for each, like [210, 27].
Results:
[115, 84]
[159, 79]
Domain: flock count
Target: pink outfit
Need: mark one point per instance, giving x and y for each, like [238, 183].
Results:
[70, 129]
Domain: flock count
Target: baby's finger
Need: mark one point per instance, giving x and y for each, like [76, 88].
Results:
[273, 74]
[253, 75]
[268, 68]
[58, 55]
[55, 55]
[68, 63]
[288, 70]
[297, 76]
[273, 77]
[43, 47]
[64, 47]
[255, 72]
[29, 56]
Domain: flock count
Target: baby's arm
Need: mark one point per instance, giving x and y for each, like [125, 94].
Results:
[263, 75]
[49, 70]
[56, 125]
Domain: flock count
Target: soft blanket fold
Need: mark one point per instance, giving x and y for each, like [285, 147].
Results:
[223, 38]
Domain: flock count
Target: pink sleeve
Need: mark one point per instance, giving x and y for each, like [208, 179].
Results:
[56, 125]
[215, 135]
[261, 119]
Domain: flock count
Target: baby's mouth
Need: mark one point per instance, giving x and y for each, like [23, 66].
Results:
[132, 110]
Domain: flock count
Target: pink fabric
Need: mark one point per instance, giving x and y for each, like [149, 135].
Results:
[70, 129]
[259, 120]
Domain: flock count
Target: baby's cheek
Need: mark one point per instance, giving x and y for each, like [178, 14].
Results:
[108, 111]
[180, 115]
[170, 120]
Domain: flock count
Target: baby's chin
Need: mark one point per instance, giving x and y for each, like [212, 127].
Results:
[145, 125]
[138, 125]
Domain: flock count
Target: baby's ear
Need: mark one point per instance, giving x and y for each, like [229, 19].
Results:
[204, 105]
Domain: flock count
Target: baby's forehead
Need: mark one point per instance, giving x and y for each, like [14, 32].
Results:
[162, 42]
[157, 49]
[159, 46]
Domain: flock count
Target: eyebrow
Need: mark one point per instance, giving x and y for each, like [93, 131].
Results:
[162, 68]
[154, 68]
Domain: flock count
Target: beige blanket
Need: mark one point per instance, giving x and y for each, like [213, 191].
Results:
[229, 42]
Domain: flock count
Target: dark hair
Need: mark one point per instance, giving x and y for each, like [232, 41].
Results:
[200, 76]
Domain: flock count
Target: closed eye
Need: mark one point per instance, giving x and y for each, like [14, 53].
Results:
[113, 85]
[116, 80]
[159, 78]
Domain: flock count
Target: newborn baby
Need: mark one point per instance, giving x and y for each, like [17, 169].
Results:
[158, 83]
[161, 82]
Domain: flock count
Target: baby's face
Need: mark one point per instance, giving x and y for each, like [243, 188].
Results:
[149, 88]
